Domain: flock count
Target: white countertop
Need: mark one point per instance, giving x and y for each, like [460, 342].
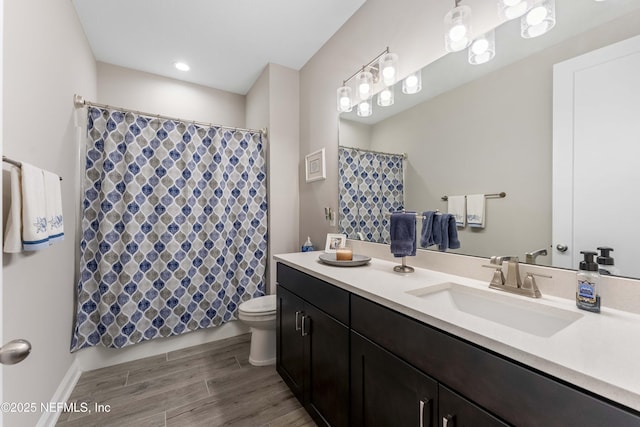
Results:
[598, 352]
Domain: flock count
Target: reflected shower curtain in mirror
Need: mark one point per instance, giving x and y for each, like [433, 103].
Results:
[371, 184]
[174, 228]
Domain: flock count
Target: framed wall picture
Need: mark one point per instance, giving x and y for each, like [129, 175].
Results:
[335, 241]
[314, 166]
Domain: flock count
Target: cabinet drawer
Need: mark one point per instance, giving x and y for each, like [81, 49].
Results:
[517, 394]
[328, 298]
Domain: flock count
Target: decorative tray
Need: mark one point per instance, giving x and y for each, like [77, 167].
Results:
[356, 261]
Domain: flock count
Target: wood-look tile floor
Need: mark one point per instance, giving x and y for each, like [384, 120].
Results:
[208, 385]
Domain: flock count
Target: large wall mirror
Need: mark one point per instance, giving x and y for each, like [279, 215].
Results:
[489, 129]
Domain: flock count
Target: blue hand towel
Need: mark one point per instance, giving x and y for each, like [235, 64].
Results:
[426, 234]
[437, 229]
[449, 233]
[402, 230]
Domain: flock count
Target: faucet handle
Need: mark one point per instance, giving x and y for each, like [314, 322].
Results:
[498, 276]
[530, 283]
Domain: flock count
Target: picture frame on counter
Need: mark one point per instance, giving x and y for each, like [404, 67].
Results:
[335, 241]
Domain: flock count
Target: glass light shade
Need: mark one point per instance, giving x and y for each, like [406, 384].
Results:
[386, 97]
[344, 99]
[539, 19]
[512, 9]
[364, 83]
[365, 109]
[457, 29]
[412, 83]
[389, 68]
[483, 49]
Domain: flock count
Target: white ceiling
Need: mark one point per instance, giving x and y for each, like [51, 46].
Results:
[227, 43]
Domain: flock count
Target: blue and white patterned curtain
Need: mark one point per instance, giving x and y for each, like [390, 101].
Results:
[174, 231]
[371, 185]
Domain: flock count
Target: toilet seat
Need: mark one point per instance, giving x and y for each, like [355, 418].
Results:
[261, 306]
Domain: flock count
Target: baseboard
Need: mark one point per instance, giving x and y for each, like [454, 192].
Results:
[100, 357]
[64, 390]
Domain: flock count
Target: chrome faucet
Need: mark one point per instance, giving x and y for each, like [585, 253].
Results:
[513, 283]
[530, 257]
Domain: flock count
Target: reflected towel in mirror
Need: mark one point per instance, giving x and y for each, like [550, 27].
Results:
[457, 207]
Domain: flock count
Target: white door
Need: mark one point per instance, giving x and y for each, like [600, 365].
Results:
[596, 155]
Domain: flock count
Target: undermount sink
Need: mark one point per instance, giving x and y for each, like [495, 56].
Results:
[530, 317]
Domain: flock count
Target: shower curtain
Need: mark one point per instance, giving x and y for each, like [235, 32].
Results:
[371, 185]
[174, 228]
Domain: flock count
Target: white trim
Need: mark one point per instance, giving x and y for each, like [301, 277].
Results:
[62, 394]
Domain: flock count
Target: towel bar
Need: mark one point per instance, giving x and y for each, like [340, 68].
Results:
[15, 163]
[492, 195]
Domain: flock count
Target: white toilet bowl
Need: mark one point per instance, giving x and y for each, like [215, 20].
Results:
[260, 315]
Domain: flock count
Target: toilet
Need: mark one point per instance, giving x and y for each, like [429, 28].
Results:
[260, 315]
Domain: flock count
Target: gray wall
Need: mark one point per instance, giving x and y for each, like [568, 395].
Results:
[46, 60]
[273, 102]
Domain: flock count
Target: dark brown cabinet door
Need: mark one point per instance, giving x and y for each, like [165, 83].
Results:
[327, 374]
[456, 411]
[290, 342]
[386, 391]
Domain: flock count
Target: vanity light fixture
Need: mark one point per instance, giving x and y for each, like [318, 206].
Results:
[389, 68]
[386, 96]
[364, 83]
[457, 32]
[483, 48]
[412, 83]
[181, 66]
[512, 9]
[383, 69]
[364, 108]
[539, 19]
[344, 99]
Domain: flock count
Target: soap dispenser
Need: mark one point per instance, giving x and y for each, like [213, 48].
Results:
[308, 246]
[587, 297]
[605, 262]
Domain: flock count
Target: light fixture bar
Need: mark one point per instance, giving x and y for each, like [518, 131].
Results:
[365, 67]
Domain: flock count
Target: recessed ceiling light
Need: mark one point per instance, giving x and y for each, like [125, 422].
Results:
[182, 66]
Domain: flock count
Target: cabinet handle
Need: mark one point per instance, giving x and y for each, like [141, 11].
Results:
[449, 419]
[305, 332]
[298, 320]
[426, 403]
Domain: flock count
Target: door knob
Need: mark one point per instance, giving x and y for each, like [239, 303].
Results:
[14, 352]
[562, 248]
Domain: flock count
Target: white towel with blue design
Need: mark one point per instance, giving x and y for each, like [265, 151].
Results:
[35, 233]
[42, 223]
[476, 210]
[457, 207]
[53, 196]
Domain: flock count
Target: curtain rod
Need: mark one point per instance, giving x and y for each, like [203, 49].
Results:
[404, 155]
[79, 102]
[16, 163]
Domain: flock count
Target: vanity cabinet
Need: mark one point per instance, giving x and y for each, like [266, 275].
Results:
[386, 391]
[356, 362]
[313, 344]
[515, 393]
